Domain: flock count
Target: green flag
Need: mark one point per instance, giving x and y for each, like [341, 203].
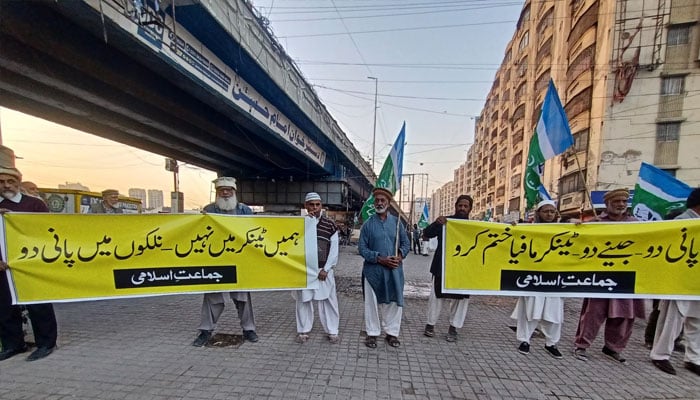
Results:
[390, 176]
[552, 137]
[423, 221]
[656, 193]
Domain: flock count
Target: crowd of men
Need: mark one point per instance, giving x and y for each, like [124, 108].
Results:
[383, 245]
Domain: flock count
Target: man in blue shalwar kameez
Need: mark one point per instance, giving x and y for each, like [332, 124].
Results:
[382, 271]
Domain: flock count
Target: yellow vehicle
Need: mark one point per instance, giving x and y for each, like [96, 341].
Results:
[71, 201]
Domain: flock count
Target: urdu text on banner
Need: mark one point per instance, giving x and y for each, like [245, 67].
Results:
[606, 260]
[58, 257]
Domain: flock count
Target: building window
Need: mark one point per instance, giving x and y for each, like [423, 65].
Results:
[672, 85]
[667, 136]
[580, 141]
[515, 181]
[571, 183]
[669, 132]
[516, 160]
[678, 35]
[524, 41]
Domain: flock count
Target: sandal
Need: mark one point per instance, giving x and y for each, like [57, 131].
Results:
[334, 339]
[302, 338]
[371, 342]
[393, 341]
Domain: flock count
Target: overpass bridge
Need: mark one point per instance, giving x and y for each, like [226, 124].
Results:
[204, 82]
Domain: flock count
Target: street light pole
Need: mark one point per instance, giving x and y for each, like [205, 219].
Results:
[374, 130]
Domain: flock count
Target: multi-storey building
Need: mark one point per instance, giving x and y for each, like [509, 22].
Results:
[628, 75]
[139, 194]
[155, 199]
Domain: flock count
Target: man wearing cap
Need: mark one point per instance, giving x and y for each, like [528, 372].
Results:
[213, 303]
[325, 296]
[382, 271]
[545, 312]
[617, 314]
[458, 303]
[42, 316]
[109, 203]
[675, 315]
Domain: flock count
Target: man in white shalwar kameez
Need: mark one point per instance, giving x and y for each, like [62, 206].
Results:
[547, 312]
[677, 314]
[325, 296]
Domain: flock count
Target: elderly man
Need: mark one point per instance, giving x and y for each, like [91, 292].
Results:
[30, 188]
[458, 303]
[672, 314]
[382, 271]
[213, 303]
[109, 203]
[617, 314]
[42, 316]
[325, 296]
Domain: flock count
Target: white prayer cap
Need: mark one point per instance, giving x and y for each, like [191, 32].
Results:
[312, 196]
[225, 181]
[546, 202]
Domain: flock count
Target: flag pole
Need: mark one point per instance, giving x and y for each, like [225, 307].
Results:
[585, 187]
[398, 226]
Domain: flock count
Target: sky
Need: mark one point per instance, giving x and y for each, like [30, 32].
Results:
[434, 63]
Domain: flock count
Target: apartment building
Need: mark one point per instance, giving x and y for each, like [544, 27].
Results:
[628, 75]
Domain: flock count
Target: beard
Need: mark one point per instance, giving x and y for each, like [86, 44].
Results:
[381, 209]
[462, 215]
[227, 203]
[8, 194]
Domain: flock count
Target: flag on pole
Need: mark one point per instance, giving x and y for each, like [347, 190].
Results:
[390, 175]
[656, 193]
[424, 217]
[552, 137]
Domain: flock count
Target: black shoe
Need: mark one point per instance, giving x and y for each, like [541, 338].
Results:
[202, 339]
[40, 353]
[679, 347]
[553, 351]
[614, 355]
[5, 354]
[429, 330]
[250, 336]
[665, 366]
[692, 367]
[452, 334]
[524, 348]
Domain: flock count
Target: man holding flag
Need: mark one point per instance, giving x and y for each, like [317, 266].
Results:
[552, 137]
[384, 244]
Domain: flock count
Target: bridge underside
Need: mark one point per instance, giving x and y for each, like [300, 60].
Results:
[63, 70]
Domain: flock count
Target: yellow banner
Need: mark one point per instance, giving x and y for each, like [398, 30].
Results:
[624, 260]
[58, 257]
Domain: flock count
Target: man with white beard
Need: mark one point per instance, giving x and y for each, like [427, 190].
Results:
[383, 245]
[213, 303]
[41, 316]
[325, 296]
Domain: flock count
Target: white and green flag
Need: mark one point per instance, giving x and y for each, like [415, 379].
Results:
[390, 176]
[657, 193]
[423, 222]
[552, 137]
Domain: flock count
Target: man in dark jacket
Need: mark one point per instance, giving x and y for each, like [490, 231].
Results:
[458, 303]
